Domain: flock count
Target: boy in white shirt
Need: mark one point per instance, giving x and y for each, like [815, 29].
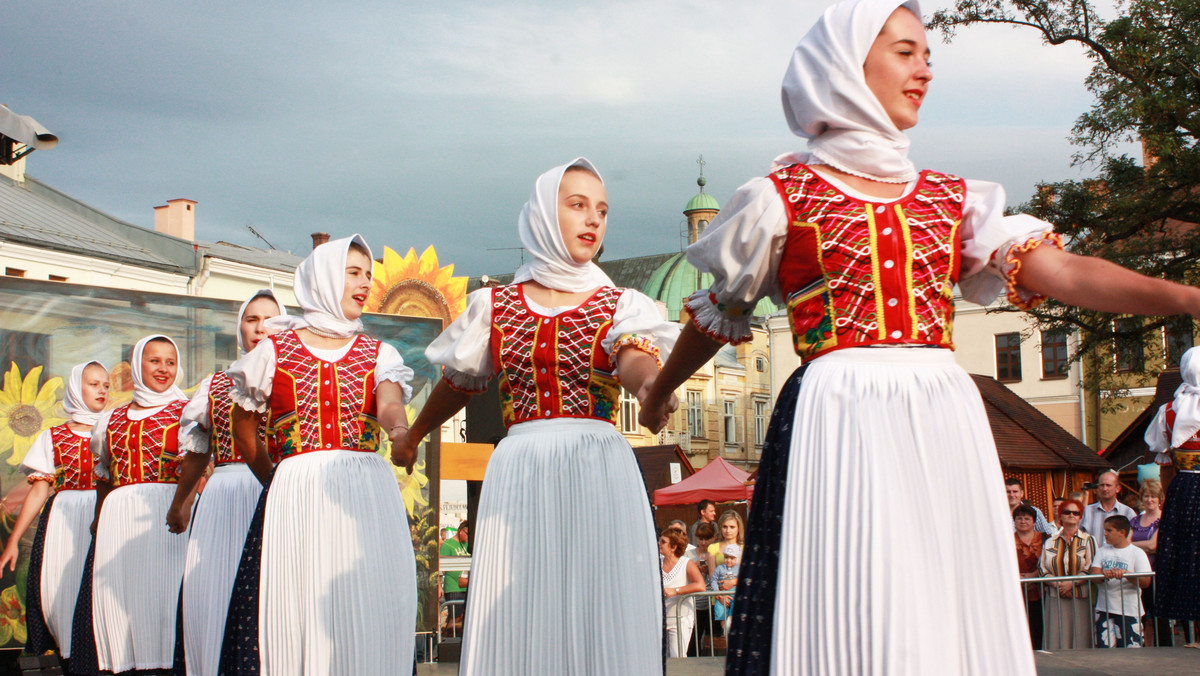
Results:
[1119, 606]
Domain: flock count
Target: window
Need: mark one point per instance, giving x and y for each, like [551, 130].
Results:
[629, 412]
[760, 423]
[1177, 339]
[695, 413]
[1008, 357]
[1129, 353]
[57, 278]
[730, 422]
[14, 272]
[760, 364]
[1054, 354]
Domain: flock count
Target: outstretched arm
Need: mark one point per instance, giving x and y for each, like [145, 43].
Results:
[443, 403]
[692, 350]
[638, 370]
[1097, 284]
[30, 509]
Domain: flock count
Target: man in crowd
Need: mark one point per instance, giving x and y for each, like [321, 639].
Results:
[454, 583]
[1106, 505]
[708, 514]
[1015, 490]
[1054, 510]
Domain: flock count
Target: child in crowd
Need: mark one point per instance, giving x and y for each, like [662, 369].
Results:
[723, 579]
[1119, 608]
[60, 460]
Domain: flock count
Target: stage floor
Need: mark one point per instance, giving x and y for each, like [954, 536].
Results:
[1140, 662]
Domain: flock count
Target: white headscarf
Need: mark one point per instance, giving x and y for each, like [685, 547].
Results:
[1187, 399]
[827, 101]
[320, 283]
[261, 293]
[73, 402]
[538, 226]
[142, 394]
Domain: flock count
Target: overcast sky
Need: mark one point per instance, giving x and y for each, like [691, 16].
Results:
[426, 123]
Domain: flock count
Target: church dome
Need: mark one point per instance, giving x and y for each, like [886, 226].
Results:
[676, 279]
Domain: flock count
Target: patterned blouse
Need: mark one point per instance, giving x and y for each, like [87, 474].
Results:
[1062, 556]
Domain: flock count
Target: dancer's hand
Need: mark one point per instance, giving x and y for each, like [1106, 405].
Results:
[404, 448]
[655, 410]
[177, 519]
[10, 555]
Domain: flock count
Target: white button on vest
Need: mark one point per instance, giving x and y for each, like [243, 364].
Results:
[545, 394]
[889, 264]
[328, 425]
[886, 231]
[542, 345]
[895, 334]
[543, 370]
[545, 321]
[892, 302]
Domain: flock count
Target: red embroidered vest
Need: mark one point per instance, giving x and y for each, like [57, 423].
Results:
[73, 461]
[220, 410]
[858, 273]
[1187, 456]
[146, 450]
[318, 405]
[554, 367]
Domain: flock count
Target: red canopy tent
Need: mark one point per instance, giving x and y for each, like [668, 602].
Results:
[718, 481]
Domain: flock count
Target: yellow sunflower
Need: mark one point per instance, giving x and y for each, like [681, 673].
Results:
[417, 286]
[26, 410]
[12, 617]
[412, 486]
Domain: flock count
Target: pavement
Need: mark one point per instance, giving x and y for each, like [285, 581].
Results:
[1139, 662]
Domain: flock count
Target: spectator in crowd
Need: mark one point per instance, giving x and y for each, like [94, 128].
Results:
[680, 576]
[454, 583]
[1144, 536]
[1015, 490]
[1065, 603]
[1119, 606]
[708, 514]
[731, 530]
[706, 534]
[1106, 505]
[682, 527]
[1029, 552]
[724, 579]
[1054, 510]
[443, 534]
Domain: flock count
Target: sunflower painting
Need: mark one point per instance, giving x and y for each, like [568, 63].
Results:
[417, 287]
[12, 617]
[26, 410]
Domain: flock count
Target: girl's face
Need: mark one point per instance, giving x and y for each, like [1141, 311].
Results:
[582, 214]
[358, 284]
[160, 365]
[729, 530]
[254, 319]
[897, 68]
[95, 387]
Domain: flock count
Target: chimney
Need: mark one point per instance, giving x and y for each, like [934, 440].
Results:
[178, 218]
[319, 238]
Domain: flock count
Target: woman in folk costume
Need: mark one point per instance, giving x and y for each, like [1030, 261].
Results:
[138, 565]
[1175, 436]
[59, 461]
[336, 591]
[879, 425]
[545, 597]
[222, 515]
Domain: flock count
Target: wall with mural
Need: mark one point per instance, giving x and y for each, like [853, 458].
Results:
[47, 327]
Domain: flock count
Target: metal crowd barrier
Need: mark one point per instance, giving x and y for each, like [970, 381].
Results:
[696, 628]
[1083, 614]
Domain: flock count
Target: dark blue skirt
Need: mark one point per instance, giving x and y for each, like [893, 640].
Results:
[239, 648]
[39, 640]
[1177, 565]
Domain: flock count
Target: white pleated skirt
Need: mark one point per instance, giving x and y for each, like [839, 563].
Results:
[338, 588]
[896, 554]
[218, 533]
[565, 575]
[135, 579]
[64, 552]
